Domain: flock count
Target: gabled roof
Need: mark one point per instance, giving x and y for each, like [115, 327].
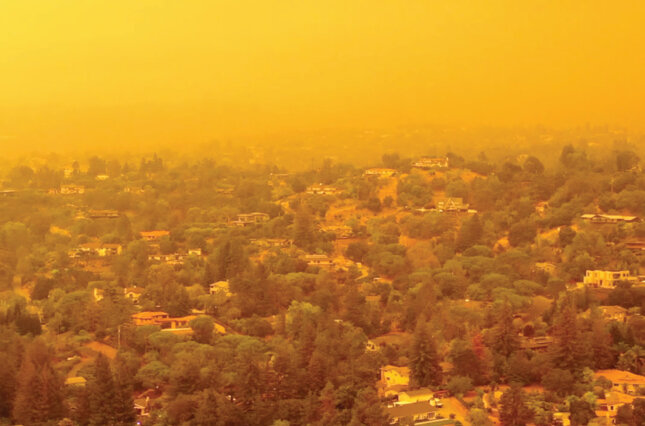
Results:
[410, 410]
[621, 377]
[419, 392]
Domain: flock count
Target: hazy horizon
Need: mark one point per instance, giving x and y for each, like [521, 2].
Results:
[147, 73]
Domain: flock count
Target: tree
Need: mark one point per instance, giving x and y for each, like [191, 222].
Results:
[639, 411]
[470, 233]
[558, 381]
[97, 166]
[566, 236]
[521, 233]
[581, 412]
[626, 160]
[303, 228]
[479, 417]
[513, 410]
[505, 340]
[102, 393]
[533, 165]
[459, 385]
[424, 360]
[39, 396]
[568, 351]
[367, 409]
[203, 328]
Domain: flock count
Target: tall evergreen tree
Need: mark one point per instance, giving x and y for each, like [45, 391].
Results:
[424, 363]
[470, 233]
[39, 395]
[569, 351]
[303, 228]
[505, 340]
[513, 410]
[123, 400]
[102, 393]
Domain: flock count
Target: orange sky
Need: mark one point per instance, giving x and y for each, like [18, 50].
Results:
[128, 72]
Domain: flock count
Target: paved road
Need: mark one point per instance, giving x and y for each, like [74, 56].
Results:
[453, 406]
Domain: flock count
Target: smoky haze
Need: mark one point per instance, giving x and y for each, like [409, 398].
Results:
[146, 73]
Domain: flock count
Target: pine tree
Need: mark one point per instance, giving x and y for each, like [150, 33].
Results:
[504, 334]
[367, 409]
[123, 401]
[39, 395]
[424, 364]
[513, 410]
[102, 393]
[470, 233]
[569, 351]
[601, 342]
[303, 228]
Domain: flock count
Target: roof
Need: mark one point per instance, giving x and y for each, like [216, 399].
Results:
[149, 314]
[616, 398]
[316, 256]
[75, 380]
[608, 216]
[621, 377]
[410, 410]
[612, 310]
[186, 318]
[154, 233]
[419, 392]
[401, 370]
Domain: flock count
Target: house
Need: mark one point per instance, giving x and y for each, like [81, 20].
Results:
[132, 293]
[245, 219]
[220, 287]
[341, 231]
[321, 260]
[96, 248]
[271, 242]
[176, 322]
[432, 163]
[149, 318]
[72, 189]
[607, 279]
[98, 294]
[539, 344]
[546, 267]
[168, 259]
[194, 252]
[608, 406]
[451, 205]
[614, 313]
[392, 375]
[541, 207]
[134, 190]
[562, 419]
[152, 236]
[415, 412]
[76, 381]
[142, 407]
[636, 246]
[419, 395]
[623, 381]
[379, 172]
[370, 346]
[609, 218]
[321, 189]
[373, 299]
[103, 214]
